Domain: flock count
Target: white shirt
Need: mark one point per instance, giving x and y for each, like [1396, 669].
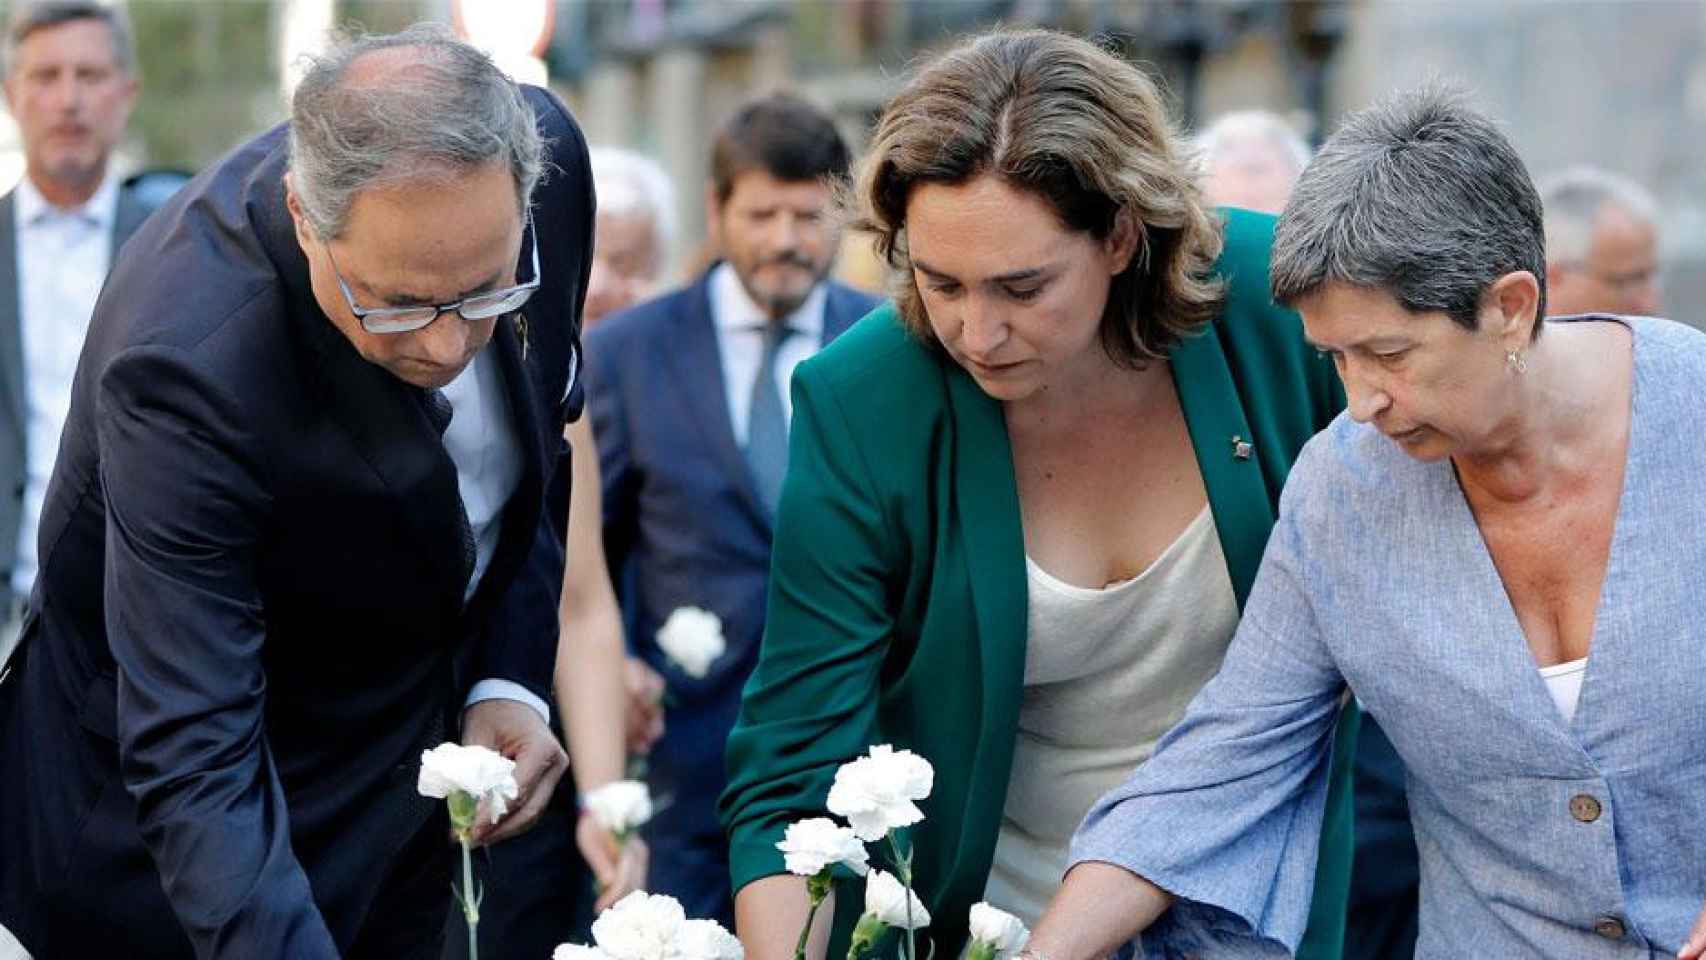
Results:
[740, 342]
[481, 442]
[63, 257]
[1564, 683]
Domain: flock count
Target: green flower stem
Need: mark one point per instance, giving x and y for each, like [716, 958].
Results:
[903, 867]
[980, 951]
[470, 905]
[463, 808]
[817, 890]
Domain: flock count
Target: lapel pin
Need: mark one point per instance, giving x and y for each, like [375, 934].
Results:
[521, 332]
[1241, 448]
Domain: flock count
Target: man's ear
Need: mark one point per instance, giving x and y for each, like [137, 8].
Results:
[1511, 307]
[305, 236]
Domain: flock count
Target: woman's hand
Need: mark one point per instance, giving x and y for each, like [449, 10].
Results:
[644, 717]
[1694, 947]
[620, 869]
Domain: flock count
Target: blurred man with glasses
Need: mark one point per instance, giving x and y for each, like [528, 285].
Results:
[1602, 244]
[295, 535]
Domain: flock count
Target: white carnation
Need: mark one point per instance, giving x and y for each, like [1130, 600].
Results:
[575, 951]
[706, 940]
[999, 930]
[876, 792]
[886, 900]
[619, 806]
[640, 926]
[477, 771]
[693, 638]
[809, 846]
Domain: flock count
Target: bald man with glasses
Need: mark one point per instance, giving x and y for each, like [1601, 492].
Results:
[296, 532]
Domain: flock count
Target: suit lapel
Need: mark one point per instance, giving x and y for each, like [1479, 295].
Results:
[127, 216]
[1214, 414]
[698, 367]
[986, 502]
[840, 311]
[11, 339]
[387, 422]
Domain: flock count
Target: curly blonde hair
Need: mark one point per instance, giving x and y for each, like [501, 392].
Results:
[1076, 125]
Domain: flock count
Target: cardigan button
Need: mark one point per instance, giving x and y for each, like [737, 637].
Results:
[1609, 927]
[1585, 808]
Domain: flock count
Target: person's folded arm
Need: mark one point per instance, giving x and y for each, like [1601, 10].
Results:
[186, 497]
[810, 704]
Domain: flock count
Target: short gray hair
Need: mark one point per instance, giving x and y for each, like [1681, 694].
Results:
[631, 184]
[455, 112]
[1573, 200]
[1419, 196]
[28, 18]
[1244, 126]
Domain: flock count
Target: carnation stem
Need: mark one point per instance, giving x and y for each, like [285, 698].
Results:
[903, 866]
[470, 906]
[811, 915]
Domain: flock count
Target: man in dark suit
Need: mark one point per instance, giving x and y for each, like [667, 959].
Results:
[294, 536]
[689, 403]
[70, 84]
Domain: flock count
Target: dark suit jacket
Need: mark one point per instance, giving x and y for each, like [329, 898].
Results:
[14, 395]
[681, 508]
[249, 617]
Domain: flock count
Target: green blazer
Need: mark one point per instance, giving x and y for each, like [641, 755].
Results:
[897, 608]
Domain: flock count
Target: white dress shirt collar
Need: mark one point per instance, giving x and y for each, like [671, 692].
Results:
[733, 308]
[739, 325]
[99, 210]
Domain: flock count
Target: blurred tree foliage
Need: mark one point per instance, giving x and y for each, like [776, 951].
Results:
[209, 79]
[379, 16]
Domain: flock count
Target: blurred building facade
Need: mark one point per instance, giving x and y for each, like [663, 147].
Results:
[1620, 84]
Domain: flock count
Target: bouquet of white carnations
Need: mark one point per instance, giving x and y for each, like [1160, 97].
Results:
[877, 794]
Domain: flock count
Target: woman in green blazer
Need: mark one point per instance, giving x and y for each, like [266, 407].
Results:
[1082, 362]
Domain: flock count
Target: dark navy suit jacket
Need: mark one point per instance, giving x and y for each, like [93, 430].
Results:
[249, 619]
[684, 526]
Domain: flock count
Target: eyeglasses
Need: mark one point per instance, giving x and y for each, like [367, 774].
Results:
[480, 306]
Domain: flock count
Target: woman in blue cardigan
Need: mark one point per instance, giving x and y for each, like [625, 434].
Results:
[1498, 549]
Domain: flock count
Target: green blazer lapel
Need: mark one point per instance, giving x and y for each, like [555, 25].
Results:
[986, 503]
[1214, 414]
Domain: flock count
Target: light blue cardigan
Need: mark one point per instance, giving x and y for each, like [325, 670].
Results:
[1376, 576]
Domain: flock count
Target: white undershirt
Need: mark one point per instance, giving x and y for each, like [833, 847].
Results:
[62, 260]
[740, 342]
[1564, 683]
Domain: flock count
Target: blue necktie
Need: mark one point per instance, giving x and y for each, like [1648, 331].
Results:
[767, 423]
